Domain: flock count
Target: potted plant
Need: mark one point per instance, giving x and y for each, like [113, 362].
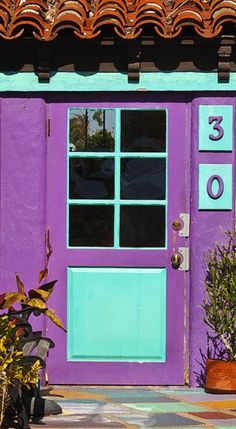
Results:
[220, 316]
[13, 375]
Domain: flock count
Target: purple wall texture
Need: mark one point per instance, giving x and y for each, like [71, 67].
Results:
[23, 157]
[23, 202]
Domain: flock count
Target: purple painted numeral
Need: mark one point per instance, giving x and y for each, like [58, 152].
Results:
[217, 127]
[220, 184]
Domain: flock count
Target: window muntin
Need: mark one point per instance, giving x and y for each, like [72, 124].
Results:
[117, 192]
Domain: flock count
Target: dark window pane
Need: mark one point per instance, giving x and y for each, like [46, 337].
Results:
[143, 178]
[92, 130]
[91, 178]
[143, 130]
[142, 226]
[91, 225]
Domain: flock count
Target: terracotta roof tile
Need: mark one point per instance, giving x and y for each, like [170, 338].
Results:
[86, 19]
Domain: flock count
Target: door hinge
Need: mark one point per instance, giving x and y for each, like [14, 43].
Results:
[184, 251]
[48, 127]
[184, 232]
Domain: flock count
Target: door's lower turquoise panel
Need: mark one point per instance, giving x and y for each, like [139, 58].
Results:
[116, 314]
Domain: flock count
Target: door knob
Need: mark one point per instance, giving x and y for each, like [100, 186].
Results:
[176, 260]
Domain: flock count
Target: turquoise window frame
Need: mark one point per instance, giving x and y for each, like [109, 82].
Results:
[117, 155]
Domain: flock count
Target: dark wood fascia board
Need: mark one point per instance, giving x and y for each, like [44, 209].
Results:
[112, 54]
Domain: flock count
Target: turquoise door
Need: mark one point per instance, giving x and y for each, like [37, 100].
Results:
[116, 184]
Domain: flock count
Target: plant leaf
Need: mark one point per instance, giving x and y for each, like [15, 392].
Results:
[48, 286]
[12, 298]
[43, 292]
[55, 319]
[43, 274]
[40, 294]
[2, 299]
[20, 285]
[36, 302]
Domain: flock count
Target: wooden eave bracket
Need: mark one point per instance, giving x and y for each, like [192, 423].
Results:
[44, 63]
[225, 57]
[134, 61]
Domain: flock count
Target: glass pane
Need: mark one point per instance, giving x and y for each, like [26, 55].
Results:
[92, 130]
[91, 225]
[143, 178]
[143, 130]
[91, 178]
[142, 226]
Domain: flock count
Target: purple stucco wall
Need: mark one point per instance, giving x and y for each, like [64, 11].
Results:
[23, 155]
[23, 204]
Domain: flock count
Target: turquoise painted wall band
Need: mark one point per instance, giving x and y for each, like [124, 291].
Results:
[70, 81]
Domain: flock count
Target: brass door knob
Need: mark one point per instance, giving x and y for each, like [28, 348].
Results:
[176, 260]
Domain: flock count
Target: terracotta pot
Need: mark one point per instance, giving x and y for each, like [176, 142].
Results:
[220, 376]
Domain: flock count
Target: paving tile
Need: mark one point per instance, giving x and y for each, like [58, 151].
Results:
[189, 398]
[180, 427]
[142, 400]
[218, 404]
[224, 423]
[156, 420]
[123, 393]
[170, 407]
[213, 415]
[79, 421]
[204, 397]
[184, 390]
[75, 394]
[77, 402]
[93, 408]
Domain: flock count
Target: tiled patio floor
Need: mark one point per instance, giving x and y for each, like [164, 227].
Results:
[133, 407]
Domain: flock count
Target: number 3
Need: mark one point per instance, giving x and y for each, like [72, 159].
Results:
[216, 126]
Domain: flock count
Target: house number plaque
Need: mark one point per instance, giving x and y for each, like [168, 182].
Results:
[215, 187]
[216, 128]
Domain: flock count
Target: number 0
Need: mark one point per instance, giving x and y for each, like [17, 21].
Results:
[220, 191]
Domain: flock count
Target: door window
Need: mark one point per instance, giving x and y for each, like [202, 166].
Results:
[117, 175]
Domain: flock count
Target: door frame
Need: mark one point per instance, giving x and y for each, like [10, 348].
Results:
[85, 257]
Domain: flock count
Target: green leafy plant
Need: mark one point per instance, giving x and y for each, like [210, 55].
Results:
[36, 297]
[12, 373]
[220, 300]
